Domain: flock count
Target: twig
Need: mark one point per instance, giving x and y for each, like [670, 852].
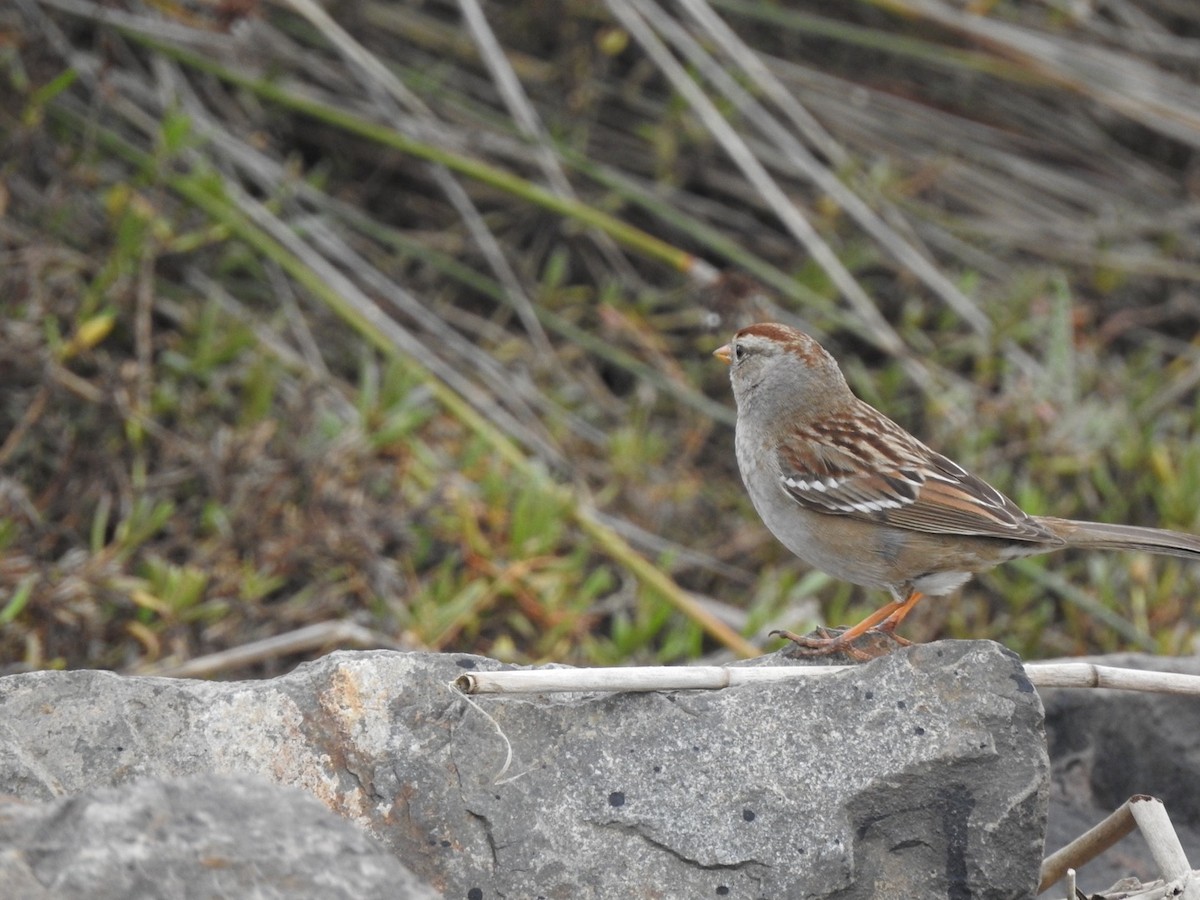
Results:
[1089, 675]
[633, 678]
[1087, 846]
[682, 678]
[1155, 825]
[1150, 817]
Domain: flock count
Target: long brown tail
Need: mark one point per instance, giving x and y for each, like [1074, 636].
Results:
[1099, 536]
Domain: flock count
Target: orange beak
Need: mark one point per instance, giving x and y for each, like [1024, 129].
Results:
[723, 354]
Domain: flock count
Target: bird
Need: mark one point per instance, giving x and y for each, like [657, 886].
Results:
[852, 493]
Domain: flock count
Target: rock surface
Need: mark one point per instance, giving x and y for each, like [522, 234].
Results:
[1109, 745]
[205, 836]
[922, 774]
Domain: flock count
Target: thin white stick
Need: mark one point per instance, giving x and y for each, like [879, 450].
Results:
[1155, 825]
[631, 678]
[1084, 675]
[683, 678]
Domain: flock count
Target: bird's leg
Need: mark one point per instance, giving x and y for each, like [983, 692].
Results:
[885, 619]
[889, 624]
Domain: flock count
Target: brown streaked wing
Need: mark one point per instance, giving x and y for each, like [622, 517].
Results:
[869, 468]
[960, 503]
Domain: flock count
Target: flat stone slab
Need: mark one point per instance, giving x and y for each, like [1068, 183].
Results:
[920, 774]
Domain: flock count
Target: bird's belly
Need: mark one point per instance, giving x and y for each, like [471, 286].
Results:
[848, 549]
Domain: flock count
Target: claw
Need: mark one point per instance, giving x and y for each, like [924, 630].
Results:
[878, 641]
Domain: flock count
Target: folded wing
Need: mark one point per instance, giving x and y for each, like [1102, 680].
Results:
[875, 470]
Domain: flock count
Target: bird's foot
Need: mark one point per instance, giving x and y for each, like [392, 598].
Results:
[866, 645]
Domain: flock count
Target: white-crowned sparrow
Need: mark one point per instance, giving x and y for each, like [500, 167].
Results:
[853, 494]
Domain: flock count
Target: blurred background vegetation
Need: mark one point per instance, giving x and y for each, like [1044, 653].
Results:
[394, 328]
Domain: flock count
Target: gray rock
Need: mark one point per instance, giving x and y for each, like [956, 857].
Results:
[921, 774]
[1109, 745]
[204, 836]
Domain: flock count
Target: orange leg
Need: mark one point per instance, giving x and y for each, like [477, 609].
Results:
[884, 619]
[898, 616]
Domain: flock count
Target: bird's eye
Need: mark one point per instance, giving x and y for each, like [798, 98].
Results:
[739, 352]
